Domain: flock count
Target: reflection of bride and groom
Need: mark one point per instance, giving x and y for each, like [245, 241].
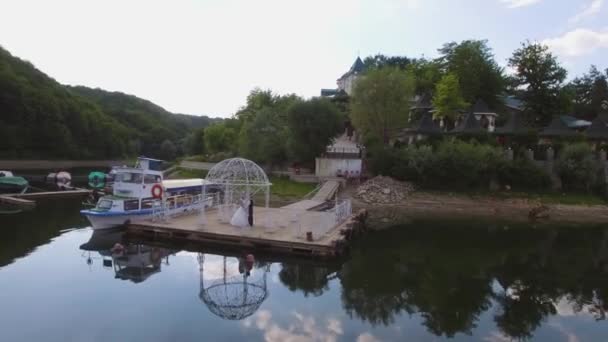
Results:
[243, 217]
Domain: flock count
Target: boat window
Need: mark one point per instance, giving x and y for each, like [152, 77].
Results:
[129, 177]
[147, 203]
[131, 205]
[151, 179]
[104, 205]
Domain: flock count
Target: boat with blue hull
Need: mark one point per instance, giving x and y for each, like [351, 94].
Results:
[138, 190]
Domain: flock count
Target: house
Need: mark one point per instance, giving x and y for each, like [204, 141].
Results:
[346, 82]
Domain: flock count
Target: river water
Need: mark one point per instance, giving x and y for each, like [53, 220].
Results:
[417, 282]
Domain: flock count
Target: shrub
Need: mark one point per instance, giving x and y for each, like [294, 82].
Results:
[413, 164]
[577, 167]
[381, 160]
[458, 164]
[522, 174]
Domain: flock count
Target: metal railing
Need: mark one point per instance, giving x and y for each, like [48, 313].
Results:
[173, 206]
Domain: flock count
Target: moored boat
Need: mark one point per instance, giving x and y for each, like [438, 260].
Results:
[138, 190]
[10, 183]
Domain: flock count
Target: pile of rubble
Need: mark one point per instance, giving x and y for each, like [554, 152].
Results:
[383, 190]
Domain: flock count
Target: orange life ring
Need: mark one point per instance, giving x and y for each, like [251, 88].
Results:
[157, 191]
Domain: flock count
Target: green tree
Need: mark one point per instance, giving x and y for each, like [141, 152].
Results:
[479, 74]
[312, 126]
[262, 138]
[448, 99]
[426, 73]
[380, 103]
[168, 151]
[220, 138]
[589, 91]
[540, 76]
[380, 61]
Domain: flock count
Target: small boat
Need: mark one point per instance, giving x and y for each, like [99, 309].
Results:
[138, 190]
[10, 183]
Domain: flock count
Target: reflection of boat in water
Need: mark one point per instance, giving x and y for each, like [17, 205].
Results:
[134, 262]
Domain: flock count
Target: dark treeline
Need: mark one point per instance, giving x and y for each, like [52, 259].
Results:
[41, 118]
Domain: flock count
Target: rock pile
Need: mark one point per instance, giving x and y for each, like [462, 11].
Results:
[383, 190]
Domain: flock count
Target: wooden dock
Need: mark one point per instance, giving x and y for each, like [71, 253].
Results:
[26, 200]
[52, 194]
[20, 202]
[287, 233]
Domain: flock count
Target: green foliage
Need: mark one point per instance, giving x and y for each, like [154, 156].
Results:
[168, 151]
[589, 93]
[456, 165]
[380, 103]
[380, 61]
[448, 100]
[312, 126]
[577, 167]
[44, 119]
[473, 63]
[220, 137]
[426, 73]
[262, 137]
[539, 73]
[284, 187]
[262, 130]
[522, 174]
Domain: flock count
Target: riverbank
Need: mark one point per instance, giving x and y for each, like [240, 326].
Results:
[425, 205]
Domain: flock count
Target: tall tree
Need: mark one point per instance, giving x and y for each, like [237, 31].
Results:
[589, 92]
[312, 126]
[426, 73]
[262, 138]
[380, 103]
[220, 137]
[380, 61]
[448, 99]
[540, 77]
[473, 63]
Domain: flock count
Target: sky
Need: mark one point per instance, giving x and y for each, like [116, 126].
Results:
[204, 56]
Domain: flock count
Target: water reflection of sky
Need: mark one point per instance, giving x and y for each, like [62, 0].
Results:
[54, 295]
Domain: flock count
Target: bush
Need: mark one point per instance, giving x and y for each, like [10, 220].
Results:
[577, 167]
[455, 164]
[522, 174]
[413, 164]
[459, 164]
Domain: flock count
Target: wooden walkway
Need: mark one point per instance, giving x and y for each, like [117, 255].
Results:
[286, 233]
[52, 194]
[27, 199]
[327, 191]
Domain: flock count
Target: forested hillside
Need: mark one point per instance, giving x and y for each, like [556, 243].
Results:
[41, 118]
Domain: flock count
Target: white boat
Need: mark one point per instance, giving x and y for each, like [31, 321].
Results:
[138, 190]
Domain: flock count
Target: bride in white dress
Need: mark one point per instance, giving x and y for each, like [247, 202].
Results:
[240, 217]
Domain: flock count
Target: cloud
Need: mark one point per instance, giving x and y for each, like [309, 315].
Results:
[302, 328]
[367, 337]
[519, 3]
[589, 10]
[578, 42]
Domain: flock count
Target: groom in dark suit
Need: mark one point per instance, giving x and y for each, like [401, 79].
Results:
[250, 218]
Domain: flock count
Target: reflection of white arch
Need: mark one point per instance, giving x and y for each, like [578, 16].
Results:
[238, 178]
[232, 295]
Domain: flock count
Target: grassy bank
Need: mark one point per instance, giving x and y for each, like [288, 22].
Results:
[281, 187]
